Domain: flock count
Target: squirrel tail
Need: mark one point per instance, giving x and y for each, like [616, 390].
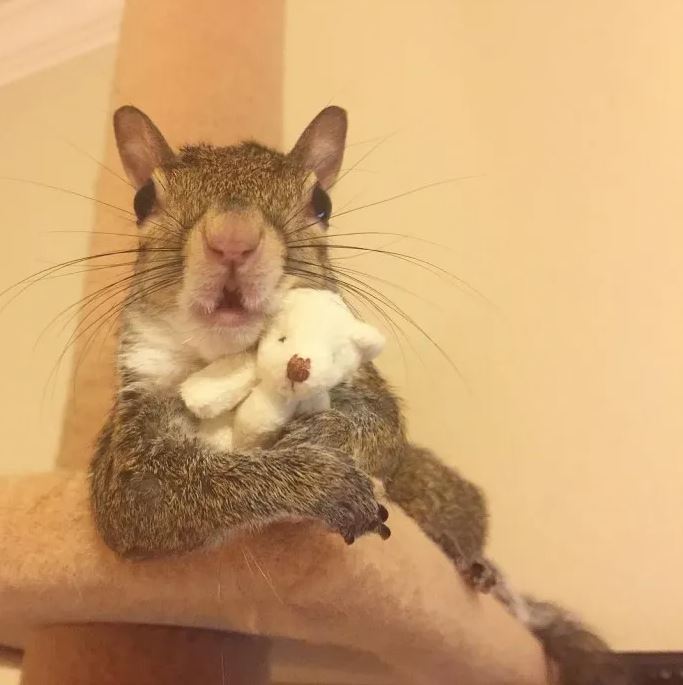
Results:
[577, 656]
[581, 657]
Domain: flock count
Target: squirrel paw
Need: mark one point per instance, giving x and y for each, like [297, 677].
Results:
[352, 510]
[480, 575]
[379, 527]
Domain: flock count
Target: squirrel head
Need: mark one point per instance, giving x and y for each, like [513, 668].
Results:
[218, 224]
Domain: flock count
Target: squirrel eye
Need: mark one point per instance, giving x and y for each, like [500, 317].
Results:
[322, 205]
[144, 201]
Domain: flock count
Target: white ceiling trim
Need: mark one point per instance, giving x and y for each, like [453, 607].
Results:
[38, 34]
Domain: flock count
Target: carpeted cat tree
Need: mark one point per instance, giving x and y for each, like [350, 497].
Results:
[292, 604]
[391, 612]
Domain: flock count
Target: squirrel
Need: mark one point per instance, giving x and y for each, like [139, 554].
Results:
[224, 233]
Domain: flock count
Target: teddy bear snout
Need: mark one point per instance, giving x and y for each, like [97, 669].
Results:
[298, 369]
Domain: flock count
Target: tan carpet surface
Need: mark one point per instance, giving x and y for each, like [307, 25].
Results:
[399, 600]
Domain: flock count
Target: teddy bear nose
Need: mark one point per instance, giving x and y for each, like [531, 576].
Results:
[232, 237]
[298, 369]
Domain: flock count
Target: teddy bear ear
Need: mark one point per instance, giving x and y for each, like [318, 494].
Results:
[369, 340]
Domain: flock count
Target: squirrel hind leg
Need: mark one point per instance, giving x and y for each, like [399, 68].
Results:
[448, 508]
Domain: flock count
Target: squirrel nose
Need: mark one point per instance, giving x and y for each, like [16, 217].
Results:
[232, 237]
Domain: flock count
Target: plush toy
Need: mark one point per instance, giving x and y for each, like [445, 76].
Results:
[313, 344]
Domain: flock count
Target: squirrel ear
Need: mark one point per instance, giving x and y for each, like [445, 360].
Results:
[320, 148]
[369, 340]
[141, 146]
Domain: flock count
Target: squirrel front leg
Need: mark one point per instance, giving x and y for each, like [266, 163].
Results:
[157, 489]
[365, 421]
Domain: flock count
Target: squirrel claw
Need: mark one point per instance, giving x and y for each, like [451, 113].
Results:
[481, 576]
[384, 531]
[383, 513]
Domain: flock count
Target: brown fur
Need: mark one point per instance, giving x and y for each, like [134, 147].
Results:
[156, 487]
[582, 658]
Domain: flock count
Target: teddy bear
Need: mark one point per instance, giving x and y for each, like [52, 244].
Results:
[313, 344]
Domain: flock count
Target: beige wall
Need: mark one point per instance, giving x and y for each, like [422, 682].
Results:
[41, 118]
[568, 115]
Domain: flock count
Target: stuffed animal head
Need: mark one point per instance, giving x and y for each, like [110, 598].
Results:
[313, 344]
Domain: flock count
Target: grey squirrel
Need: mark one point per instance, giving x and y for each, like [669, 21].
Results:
[224, 232]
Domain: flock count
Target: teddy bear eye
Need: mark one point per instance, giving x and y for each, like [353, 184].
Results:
[282, 339]
[322, 205]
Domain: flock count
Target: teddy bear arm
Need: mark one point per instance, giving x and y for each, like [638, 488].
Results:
[260, 416]
[220, 386]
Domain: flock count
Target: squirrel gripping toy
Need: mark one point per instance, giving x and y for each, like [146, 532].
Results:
[313, 344]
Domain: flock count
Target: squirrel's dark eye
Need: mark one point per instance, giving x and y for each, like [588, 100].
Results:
[322, 205]
[144, 201]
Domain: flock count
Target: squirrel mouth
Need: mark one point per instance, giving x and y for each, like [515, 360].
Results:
[228, 309]
[225, 309]
[230, 300]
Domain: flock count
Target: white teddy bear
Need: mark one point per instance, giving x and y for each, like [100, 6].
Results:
[313, 344]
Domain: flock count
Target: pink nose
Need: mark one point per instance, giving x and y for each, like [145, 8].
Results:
[232, 237]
